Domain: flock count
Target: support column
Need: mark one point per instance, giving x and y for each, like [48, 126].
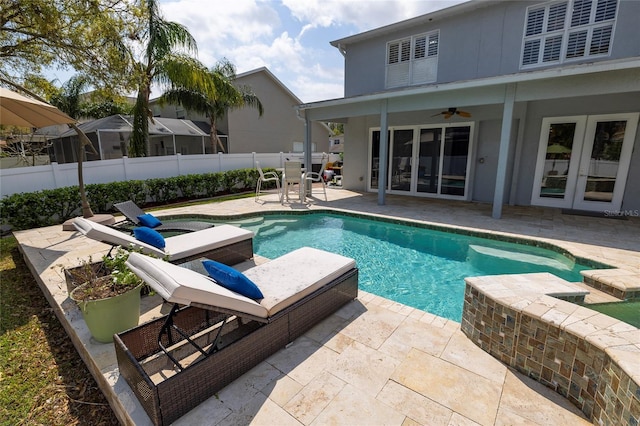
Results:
[503, 153]
[308, 157]
[384, 160]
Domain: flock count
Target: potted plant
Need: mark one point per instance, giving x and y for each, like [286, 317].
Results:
[108, 295]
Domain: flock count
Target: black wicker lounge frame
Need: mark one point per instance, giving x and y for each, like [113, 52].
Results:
[131, 211]
[218, 355]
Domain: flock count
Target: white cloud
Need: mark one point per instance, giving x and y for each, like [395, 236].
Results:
[289, 37]
[361, 14]
[216, 24]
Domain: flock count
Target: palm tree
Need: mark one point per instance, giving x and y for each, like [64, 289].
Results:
[227, 96]
[162, 64]
[68, 99]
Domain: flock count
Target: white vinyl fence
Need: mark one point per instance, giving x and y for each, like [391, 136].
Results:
[52, 176]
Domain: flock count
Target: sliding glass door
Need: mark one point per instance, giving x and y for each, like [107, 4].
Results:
[431, 161]
[401, 160]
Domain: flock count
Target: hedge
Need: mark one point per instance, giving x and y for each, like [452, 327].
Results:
[55, 206]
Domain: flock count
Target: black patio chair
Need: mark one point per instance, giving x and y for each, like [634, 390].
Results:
[131, 211]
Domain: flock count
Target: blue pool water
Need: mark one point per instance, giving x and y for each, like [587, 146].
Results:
[417, 267]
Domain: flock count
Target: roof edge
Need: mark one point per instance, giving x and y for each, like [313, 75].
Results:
[411, 22]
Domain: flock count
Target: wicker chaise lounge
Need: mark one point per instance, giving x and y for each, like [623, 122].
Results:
[176, 362]
[225, 243]
[132, 211]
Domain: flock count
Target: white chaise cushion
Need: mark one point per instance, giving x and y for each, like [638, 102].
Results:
[283, 281]
[190, 244]
[176, 247]
[180, 285]
[288, 278]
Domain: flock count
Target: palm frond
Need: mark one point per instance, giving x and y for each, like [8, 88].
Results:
[189, 99]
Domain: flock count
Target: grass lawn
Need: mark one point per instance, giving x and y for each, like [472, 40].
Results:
[43, 380]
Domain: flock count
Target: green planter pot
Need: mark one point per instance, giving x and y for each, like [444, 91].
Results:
[106, 317]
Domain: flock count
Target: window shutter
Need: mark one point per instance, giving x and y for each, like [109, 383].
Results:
[420, 47]
[433, 44]
[557, 14]
[605, 10]
[576, 44]
[398, 74]
[531, 52]
[394, 53]
[405, 50]
[581, 12]
[535, 20]
[600, 40]
[413, 60]
[552, 47]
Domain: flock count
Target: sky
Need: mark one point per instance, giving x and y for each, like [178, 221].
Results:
[289, 37]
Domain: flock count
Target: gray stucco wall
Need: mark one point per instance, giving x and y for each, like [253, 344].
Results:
[484, 43]
[486, 160]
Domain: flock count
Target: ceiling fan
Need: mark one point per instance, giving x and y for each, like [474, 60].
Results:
[452, 111]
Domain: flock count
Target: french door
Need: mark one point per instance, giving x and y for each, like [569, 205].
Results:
[583, 161]
[431, 161]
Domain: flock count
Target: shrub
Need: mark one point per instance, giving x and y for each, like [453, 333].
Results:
[54, 206]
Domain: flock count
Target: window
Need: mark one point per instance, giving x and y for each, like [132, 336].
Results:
[412, 60]
[566, 30]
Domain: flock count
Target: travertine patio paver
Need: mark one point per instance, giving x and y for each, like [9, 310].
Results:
[375, 361]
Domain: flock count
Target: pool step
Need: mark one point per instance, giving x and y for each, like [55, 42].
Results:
[620, 283]
[509, 261]
[595, 295]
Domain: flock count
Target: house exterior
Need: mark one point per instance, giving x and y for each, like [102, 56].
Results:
[280, 129]
[518, 102]
[336, 143]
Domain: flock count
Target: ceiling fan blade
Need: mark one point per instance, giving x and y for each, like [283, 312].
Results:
[440, 113]
[464, 114]
[447, 115]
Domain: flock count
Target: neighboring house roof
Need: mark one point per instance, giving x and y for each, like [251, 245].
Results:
[279, 83]
[273, 77]
[123, 123]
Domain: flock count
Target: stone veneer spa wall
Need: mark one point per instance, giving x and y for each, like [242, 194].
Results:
[590, 358]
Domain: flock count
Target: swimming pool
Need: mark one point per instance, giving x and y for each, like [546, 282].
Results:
[627, 311]
[415, 266]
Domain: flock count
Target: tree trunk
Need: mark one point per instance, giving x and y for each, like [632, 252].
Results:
[140, 133]
[215, 140]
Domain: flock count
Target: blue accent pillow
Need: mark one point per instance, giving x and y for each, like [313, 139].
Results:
[231, 279]
[149, 220]
[149, 236]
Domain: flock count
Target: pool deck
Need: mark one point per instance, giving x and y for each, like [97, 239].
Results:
[374, 361]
